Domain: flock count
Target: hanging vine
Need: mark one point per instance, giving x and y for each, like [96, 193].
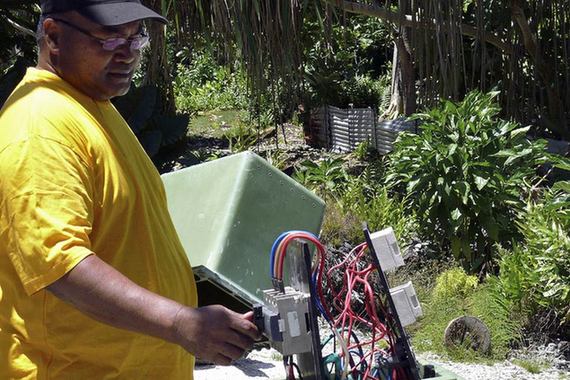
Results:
[443, 48]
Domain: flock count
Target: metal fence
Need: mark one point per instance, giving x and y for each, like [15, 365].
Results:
[342, 130]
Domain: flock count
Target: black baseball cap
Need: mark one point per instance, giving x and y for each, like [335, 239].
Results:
[103, 12]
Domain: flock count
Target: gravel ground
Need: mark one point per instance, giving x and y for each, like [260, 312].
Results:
[505, 370]
[265, 364]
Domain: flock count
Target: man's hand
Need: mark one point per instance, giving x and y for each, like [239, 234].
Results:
[214, 333]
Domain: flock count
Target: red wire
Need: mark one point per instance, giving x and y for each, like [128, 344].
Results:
[285, 243]
[356, 280]
[321, 262]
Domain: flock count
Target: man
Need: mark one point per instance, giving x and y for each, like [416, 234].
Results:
[94, 282]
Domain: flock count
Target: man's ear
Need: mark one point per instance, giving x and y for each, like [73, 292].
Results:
[52, 33]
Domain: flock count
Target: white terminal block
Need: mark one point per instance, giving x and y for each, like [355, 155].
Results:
[406, 302]
[387, 250]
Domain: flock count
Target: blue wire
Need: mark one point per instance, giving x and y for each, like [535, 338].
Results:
[276, 244]
[273, 249]
[318, 303]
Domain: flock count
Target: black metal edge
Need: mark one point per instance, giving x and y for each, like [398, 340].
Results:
[407, 354]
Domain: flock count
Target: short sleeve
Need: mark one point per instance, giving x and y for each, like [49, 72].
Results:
[46, 205]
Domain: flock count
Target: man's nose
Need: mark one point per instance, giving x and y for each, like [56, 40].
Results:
[125, 54]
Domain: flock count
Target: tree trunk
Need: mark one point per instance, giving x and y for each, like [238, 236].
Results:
[395, 108]
[403, 88]
[407, 75]
[158, 68]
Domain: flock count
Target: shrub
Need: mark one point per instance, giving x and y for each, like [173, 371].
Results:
[340, 227]
[454, 283]
[327, 177]
[535, 273]
[205, 85]
[358, 199]
[373, 204]
[456, 294]
[465, 174]
[352, 200]
[240, 137]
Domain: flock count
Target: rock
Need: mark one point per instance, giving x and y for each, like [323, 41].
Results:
[468, 330]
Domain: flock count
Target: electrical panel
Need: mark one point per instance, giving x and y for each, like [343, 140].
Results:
[288, 316]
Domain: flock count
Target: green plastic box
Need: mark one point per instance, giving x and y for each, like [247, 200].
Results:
[228, 212]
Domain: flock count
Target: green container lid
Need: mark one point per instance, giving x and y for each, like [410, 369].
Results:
[228, 213]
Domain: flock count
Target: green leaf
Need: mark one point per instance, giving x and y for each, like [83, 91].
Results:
[504, 153]
[464, 189]
[452, 149]
[519, 131]
[456, 214]
[412, 186]
[523, 153]
[562, 163]
[466, 5]
[562, 185]
[480, 182]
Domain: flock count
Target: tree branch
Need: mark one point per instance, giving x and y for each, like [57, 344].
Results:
[407, 21]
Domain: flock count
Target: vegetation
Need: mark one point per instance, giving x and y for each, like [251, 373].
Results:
[353, 199]
[530, 365]
[141, 108]
[205, 85]
[465, 175]
[17, 25]
[535, 273]
[457, 294]
[440, 49]
[454, 283]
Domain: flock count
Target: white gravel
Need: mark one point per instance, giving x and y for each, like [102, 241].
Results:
[266, 364]
[505, 370]
[263, 364]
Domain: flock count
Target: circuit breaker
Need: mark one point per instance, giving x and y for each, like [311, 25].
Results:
[286, 320]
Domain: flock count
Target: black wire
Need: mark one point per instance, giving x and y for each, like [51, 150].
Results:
[286, 360]
[357, 341]
[334, 341]
[362, 362]
[298, 370]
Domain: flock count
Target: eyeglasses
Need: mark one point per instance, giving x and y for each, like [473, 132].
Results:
[137, 42]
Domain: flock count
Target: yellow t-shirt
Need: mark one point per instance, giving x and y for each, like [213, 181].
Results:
[74, 181]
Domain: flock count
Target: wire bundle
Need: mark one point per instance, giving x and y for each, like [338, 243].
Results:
[365, 354]
[357, 359]
[279, 251]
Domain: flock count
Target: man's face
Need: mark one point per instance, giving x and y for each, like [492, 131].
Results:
[81, 60]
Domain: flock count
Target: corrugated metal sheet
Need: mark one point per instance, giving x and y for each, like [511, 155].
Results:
[387, 132]
[342, 130]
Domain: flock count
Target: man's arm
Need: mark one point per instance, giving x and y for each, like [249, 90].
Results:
[212, 333]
